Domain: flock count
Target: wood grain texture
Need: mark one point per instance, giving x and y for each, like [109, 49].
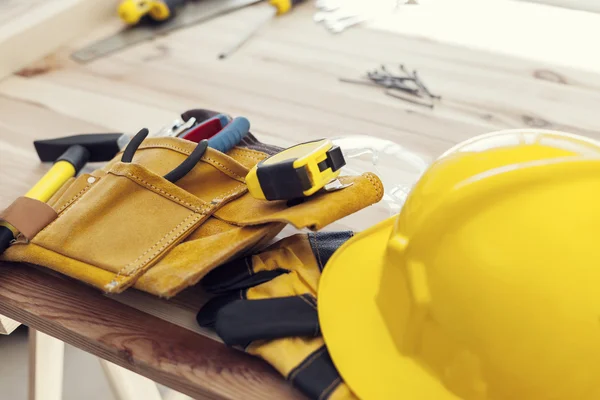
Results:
[167, 354]
[286, 81]
[33, 28]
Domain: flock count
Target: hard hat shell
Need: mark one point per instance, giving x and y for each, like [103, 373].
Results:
[486, 285]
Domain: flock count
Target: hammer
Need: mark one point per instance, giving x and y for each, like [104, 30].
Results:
[69, 154]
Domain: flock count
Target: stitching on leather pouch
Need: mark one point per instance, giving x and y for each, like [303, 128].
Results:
[68, 203]
[224, 167]
[253, 155]
[376, 184]
[241, 188]
[74, 200]
[200, 210]
[307, 302]
[204, 158]
[125, 269]
[168, 146]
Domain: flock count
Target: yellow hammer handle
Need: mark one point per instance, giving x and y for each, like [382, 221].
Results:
[56, 176]
[43, 190]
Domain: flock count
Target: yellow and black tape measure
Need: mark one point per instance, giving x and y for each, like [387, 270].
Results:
[296, 172]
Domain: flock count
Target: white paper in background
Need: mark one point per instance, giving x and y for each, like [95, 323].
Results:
[544, 33]
[12, 9]
[338, 15]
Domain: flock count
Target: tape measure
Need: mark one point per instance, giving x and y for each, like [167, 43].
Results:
[296, 172]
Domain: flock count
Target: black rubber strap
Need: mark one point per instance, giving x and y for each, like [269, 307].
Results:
[324, 244]
[207, 316]
[236, 275]
[316, 376]
[243, 321]
[6, 236]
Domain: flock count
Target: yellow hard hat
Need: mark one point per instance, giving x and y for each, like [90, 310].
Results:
[485, 286]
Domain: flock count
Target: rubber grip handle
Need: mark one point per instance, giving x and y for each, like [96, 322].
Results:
[206, 129]
[6, 236]
[189, 163]
[231, 135]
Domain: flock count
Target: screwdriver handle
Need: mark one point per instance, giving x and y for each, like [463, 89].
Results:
[231, 135]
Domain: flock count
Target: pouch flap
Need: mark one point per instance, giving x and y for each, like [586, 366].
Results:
[314, 212]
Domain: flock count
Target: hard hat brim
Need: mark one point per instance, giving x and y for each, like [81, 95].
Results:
[354, 330]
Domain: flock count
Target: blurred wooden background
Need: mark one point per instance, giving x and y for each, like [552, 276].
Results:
[286, 81]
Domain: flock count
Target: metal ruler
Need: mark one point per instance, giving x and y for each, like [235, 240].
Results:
[192, 13]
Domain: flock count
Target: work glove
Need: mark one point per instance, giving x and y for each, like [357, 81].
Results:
[267, 305]
[127, 225]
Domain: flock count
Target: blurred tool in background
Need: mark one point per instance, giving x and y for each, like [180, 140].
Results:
[407, 86]
[188, 13]
[132, 11]
[275, 7]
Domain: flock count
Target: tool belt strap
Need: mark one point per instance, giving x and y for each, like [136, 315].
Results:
[29, 216]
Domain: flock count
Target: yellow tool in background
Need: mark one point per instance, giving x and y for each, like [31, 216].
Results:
[296, 172]
[275, 7]
[132, 11]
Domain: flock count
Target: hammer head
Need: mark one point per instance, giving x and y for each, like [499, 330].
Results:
[101, 146]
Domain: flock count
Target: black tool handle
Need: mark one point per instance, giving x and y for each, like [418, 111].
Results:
[133, 145]
[6, 236]
[189, 163]
[77, 156]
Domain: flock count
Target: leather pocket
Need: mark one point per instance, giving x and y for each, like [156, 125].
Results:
[313, 212]
[122, 222]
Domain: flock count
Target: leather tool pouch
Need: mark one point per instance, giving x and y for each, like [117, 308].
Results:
[126, 225]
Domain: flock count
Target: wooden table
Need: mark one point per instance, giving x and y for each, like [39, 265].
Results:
[285, 80]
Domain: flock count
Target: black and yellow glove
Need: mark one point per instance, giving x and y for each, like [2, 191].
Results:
[268, 306]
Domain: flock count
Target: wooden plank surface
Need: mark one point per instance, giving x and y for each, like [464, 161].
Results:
[30, 29]
[167, 354]
[286, 81]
